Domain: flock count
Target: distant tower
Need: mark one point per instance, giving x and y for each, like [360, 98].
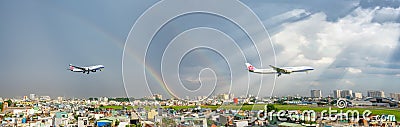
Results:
[32, 97]
[346, 94]
[337, 93]
[5, 106]
[375, 93]
[395, 96]
[316, 93]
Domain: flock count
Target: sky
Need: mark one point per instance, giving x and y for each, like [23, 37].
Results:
[189, 49]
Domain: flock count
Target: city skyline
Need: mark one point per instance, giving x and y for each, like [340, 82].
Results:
[353, 45]
[316, 92]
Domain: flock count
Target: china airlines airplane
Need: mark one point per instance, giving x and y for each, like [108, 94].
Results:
[278, 70]
[85, 69]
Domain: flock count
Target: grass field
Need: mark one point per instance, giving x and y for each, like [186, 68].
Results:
[115, 107]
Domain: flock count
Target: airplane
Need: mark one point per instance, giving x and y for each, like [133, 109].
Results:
[94, 68]
[278, 70]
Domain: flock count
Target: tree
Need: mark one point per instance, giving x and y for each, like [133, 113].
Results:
[9, 102]
[271, 107]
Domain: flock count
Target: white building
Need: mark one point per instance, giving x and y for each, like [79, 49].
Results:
[337, 93]
[375, 93]
[224, 96]
[45, 98]
[316, 93]
[32, 96]
[346, 93]
[83, 121]
[395, 96]
[357, 95]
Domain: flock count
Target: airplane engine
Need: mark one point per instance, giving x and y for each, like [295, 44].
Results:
[287, 71]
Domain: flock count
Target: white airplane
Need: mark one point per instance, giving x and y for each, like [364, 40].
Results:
[278, 70]
[85, 69]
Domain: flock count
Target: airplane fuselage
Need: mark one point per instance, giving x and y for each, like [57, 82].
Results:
[85, 69]
[278, 70]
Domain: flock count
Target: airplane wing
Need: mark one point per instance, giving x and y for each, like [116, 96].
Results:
[279, 70]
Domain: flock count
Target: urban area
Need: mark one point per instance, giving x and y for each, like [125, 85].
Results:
[220, 110]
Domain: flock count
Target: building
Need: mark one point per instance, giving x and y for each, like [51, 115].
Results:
[224, 96]
[375, 93]
[316, 93]
[231, 96]
[151, 115]
[5, 106]
[157, 96]
[395, 96]
[45, 98]
[337, 93]
[346, 94]
[60, 99]
[61, 118]
[32, 96]
[83, 121]
[357, 95]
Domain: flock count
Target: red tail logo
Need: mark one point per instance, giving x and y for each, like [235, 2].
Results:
[250, 67]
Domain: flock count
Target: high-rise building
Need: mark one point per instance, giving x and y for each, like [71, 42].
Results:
[375, 93]
[5, 106]
[346, 93]
[32, 96]
[60, 99]
[316, 93]
[231, 96]
[395, 96]
[337, 93]
[357, 95]
[224, 96]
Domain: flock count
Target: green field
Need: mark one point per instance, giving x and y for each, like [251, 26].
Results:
[115, 107]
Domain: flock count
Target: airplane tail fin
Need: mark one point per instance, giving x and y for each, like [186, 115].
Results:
[71, 67]
[250, 67]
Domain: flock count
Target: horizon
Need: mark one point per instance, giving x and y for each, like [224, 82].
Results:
[364, 94]
[180, 49]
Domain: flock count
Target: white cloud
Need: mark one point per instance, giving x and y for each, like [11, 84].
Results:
[347, 82]
[315, 83]
[355, 40]
[387, 14]
[330, 47]
[353, 70]
[319, 42]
